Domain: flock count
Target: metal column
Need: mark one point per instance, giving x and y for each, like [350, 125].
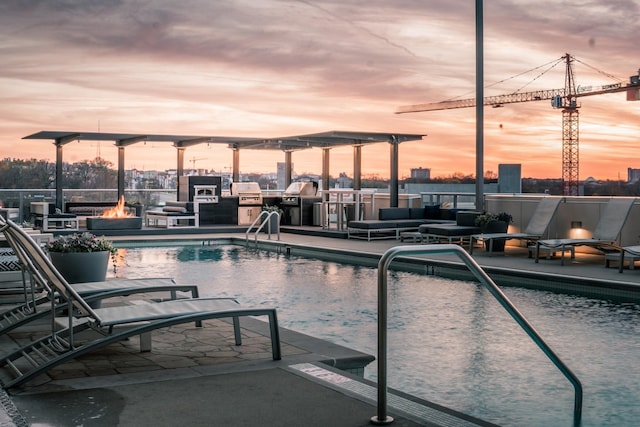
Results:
[479, 108]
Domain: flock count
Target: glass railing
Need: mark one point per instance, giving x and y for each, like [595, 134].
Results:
[21, 198]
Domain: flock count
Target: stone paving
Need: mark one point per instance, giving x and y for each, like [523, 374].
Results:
[179, 346]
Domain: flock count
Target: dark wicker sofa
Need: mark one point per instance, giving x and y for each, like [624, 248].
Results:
[393, 221]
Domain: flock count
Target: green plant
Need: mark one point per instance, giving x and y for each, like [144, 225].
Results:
[82, 243]
[272, 208]
[486, 218]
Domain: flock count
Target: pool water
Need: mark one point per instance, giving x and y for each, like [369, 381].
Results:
[450, 342]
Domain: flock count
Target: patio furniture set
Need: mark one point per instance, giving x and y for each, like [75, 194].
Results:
[408, 224]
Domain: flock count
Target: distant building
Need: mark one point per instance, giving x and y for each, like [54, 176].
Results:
[281, 173]
[510, 178]
[420, 173]
[633, 175]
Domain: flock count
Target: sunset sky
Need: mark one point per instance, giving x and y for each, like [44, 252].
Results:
[269, 68]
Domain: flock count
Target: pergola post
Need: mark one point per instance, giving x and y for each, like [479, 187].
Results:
[357, 167]
[325, 168]
[179, 169]
[235, 173]
[59, 196]
[393, 181]
[288, 169]
[120, 172]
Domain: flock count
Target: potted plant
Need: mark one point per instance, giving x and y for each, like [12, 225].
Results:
[490, 223]
[82, 257]
[274, 220]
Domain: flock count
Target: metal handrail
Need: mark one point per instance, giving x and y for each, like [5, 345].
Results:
[266, 221]
[481, 275]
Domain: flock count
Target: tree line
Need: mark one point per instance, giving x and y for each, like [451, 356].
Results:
[32, 173]
[100, 173]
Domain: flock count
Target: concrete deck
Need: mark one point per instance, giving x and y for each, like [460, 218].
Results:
[197, 376]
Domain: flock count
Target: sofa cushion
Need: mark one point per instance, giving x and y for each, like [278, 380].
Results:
[467, 218]
[372, 224]
[177, 209]
[448, 214]
[448, 230]
[417, 213]
[432, 212]
[385, 214]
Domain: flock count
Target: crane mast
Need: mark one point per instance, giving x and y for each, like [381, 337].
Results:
[570, 116]
[565, 99]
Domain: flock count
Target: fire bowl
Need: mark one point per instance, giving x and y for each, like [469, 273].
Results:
[104, 223]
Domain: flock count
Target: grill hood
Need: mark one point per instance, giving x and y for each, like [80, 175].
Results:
[302, 188]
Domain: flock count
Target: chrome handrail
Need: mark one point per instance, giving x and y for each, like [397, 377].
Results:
[266, 221]
[481, 275]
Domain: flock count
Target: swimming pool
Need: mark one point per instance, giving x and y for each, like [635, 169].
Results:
[449, 341]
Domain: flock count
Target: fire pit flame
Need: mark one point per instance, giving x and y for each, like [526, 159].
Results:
[117, 211]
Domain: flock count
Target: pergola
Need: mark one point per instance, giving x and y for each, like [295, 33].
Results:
[288, 144]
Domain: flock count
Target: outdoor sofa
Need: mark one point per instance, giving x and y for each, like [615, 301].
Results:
[173, 215]
[392, 222]
[459, 231]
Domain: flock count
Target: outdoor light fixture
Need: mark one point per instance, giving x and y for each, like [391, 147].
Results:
[576, 224]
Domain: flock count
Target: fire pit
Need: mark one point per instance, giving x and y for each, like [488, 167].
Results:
[102, 223]
[116, 218]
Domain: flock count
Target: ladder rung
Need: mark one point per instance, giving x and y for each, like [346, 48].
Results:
[30, 359]
[14, 368]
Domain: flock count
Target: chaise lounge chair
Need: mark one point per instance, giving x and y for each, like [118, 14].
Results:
[39, 307]
[113, 323]
[536, 228]
[604, 236]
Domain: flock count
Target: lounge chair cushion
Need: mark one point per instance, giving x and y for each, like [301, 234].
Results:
[177, 209]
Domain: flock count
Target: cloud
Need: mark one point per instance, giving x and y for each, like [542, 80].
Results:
[281, 67]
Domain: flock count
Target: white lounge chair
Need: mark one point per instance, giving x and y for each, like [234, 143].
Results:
[605, 234]
[39, 307]
[535, 230]
[113, 323]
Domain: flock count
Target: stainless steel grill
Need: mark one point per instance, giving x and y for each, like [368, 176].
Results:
[297, 190]
[298, 200]
[249, 193]
[249, 201]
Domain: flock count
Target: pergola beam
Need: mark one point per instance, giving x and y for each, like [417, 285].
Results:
[323, 140]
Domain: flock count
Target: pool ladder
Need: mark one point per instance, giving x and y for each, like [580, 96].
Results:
[381, 417]
[264, 219]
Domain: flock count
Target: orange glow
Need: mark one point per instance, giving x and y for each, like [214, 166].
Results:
[117, 211]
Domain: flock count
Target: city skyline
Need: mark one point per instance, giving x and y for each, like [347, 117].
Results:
[276, 68]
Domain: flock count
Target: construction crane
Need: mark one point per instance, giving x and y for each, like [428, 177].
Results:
[564, 99]
[194, 160]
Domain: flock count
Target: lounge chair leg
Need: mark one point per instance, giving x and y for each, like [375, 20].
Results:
[275, 336]
[621, 264]
[145, 342]
[236, 330]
